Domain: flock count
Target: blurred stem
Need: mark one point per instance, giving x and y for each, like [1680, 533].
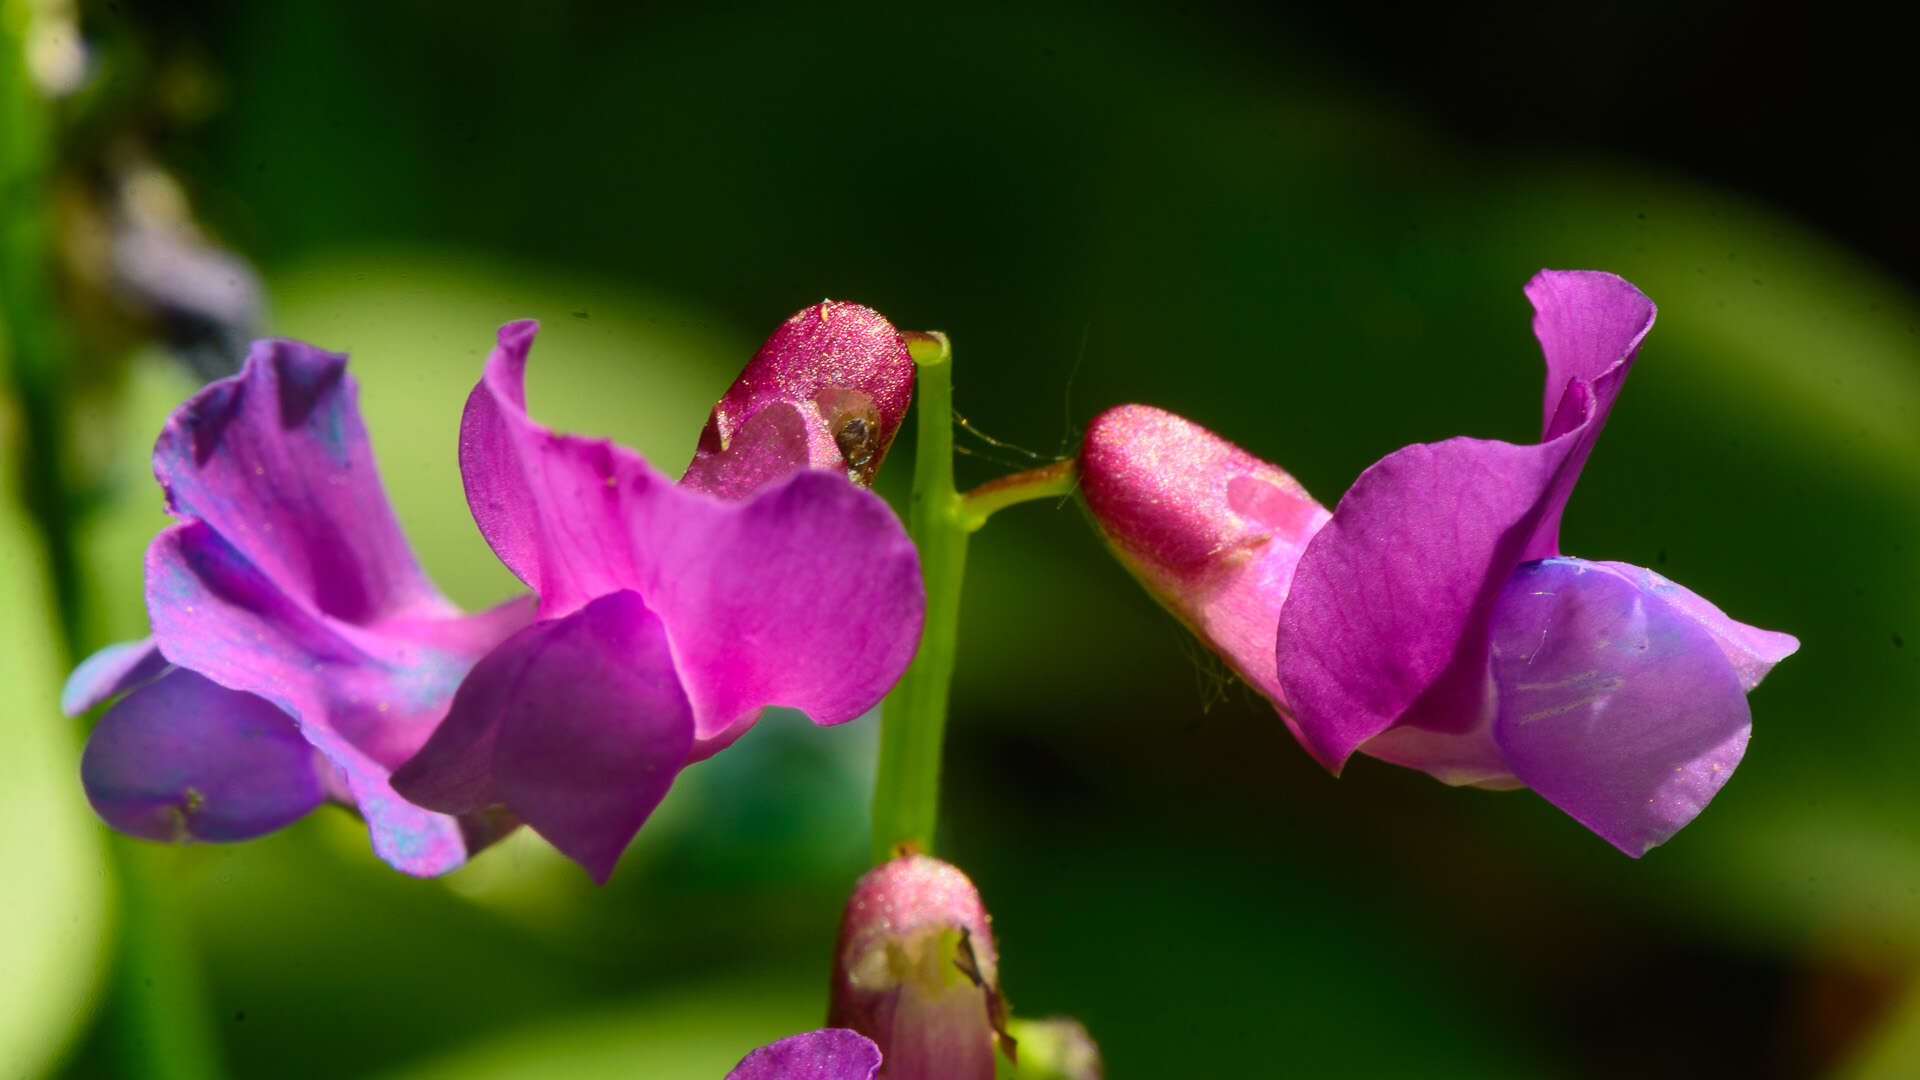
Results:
[913, 719]
[159, 1031]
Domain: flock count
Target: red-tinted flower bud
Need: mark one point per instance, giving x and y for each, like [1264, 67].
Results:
[827, 391]
[915, 971]
[1212, 531]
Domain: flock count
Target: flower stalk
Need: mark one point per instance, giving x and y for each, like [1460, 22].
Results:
[913, 719]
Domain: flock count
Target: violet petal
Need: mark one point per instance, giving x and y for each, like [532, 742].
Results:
[366, 698]
[594, 728]
[827, 1054]
[807, 595]
[277, 462]
[112, 671]
[183, 758]
[1614, 705]
[1390, 603]
[1751, 650]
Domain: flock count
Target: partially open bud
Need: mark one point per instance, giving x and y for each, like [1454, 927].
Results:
[915, 971]
[1212, 531]
[827, 391]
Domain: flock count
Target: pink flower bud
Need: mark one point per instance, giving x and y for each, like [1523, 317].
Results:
[1212, 531]
[915, 971]
[827, 391]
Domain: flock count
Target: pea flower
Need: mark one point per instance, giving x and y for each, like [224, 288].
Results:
[671, 616]
[299, 652]
[915, 971]
[1434, 623]
[827, 1054]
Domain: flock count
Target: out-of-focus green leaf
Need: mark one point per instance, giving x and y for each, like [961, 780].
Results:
[53, 874]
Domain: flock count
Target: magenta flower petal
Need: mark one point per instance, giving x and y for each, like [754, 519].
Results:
[804, 592]
[1588, 322]
[1391, 601]
[827, 1054]
[1212, 531]
[585, 726]
[845, 373]
[1617, 707]
[807, 595]
[553, 507]
[109, 673]
[183, 758]
[1590, 325]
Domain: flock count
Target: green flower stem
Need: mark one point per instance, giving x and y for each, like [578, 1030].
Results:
[913, 719]
[157, 1034]
[1055, 481]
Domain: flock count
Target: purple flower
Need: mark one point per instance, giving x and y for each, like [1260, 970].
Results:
[298, 650]
[915, 970]
[827, 1054]
[1434, 623]
[669, 617]
[1212, 531]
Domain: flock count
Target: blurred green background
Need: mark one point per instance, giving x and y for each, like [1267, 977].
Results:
[1307, 232]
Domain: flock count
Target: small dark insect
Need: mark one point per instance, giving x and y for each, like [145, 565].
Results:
[855, 440]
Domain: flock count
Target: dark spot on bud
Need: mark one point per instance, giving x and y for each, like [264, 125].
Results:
[855, 424]
[855, 439]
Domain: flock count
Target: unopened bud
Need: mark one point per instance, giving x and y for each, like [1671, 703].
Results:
[915, 971]
[828, 390]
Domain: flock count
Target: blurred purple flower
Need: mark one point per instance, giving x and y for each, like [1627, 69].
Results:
[298, 651]
[669, 617]
[827, 1054]
[1433, 622]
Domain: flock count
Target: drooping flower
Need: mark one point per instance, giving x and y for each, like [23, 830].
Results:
[299, 652]
[1434, 623]
[1212, 531]
[827, 1054]
[670, 617]
[915, 971]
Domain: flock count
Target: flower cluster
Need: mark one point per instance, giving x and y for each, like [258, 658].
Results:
[300, 655]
